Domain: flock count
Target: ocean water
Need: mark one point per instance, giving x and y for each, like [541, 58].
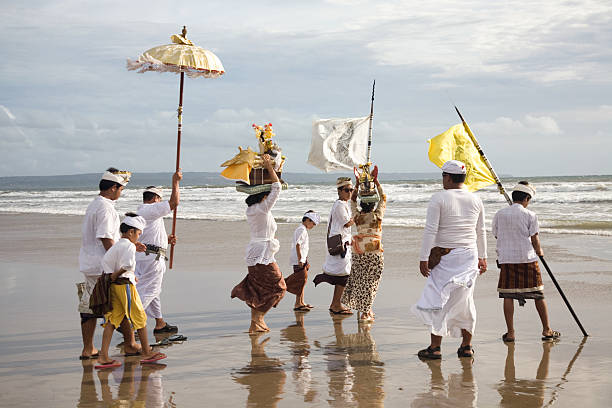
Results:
[573, 205]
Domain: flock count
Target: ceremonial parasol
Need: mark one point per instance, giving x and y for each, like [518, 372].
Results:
[180, 57]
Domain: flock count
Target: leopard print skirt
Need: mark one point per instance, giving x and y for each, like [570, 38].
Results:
[362, 285]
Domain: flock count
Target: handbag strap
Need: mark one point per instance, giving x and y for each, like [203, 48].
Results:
[329, 224]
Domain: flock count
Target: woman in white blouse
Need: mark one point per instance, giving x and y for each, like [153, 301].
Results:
[264, 286]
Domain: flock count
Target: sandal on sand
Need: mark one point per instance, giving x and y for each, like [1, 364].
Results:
[137, 353]
[303, 308]
[93, 356]
[110, 364]
[428, 353]
[507, 339]
[177, 337]
[553, 336]
[465, 351]
[156, 357]
[341, 312]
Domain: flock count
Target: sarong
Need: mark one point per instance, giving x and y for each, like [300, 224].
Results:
[447, 302]
[520, 281]
[362, 284]
[297, 280]
[126, 304]
[334, 280]
[262, 288]
[84, 290]
[150, 273]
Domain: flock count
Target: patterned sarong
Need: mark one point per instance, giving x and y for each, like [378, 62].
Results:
[362, 285]
[262, 288]
[520, 281]
[297, 280]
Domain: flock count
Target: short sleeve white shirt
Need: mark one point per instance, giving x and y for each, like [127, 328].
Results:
[514, 226]
[300, 237]
[101, 221]
[122, 255]
[155, 230]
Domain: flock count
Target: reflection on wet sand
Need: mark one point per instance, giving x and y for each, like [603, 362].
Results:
[459, 391]
[520, 392]
[355, 372]
[139, 385]
[263, 376]
[300, 350]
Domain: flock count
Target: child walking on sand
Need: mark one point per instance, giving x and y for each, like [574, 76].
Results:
[119, 262]
[299, 253]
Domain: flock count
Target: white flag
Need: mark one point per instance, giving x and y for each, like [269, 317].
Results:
[339, 144]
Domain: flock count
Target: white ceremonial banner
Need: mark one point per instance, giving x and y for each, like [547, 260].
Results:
[339, 144]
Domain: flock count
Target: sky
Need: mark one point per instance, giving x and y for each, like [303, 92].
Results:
[533, 80]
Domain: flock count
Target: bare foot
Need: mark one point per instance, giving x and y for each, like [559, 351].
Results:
[89, 353]
[133, 348]
[258, 327]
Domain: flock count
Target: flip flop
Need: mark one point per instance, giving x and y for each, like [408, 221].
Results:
[177, 337]
[507, 339]
[554, 336]
[137, 353]
[341, 312]
[303, 308]
[156, 357]
[110, 364]
[93, 356]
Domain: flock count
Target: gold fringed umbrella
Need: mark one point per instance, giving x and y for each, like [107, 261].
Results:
[180, 57]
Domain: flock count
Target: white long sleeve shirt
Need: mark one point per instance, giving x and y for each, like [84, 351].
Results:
[455, 219]
[263, 244]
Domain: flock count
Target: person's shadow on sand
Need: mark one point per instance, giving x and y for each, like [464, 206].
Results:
[263, 376]
[148, 390]
[355, 370]
[459, 391]
[295, 334]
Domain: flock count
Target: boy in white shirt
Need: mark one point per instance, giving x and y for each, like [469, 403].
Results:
[119, 262]
[299, 254]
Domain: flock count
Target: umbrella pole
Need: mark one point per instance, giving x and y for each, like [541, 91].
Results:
[178, 157]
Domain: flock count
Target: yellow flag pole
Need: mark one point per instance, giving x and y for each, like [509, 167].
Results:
[484, 158]
[503, 191]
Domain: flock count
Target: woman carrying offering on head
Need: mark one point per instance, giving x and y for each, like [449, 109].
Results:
[264, 286]
[367, 259]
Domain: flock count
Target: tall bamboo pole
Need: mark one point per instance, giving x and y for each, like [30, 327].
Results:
[370, 130]
[178, 156]
[503, 191]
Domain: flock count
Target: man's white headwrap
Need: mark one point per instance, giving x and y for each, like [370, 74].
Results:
[136, 222]
[154, 190]
[313, 216]
[121, 177]
[453, 167]
[529, 189]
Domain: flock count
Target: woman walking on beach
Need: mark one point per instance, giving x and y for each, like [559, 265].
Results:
[264, 286]
[337, 268]
[367, 262]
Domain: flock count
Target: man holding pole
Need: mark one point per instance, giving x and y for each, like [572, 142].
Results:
[453, 253]
[151, 265]
[518, 247]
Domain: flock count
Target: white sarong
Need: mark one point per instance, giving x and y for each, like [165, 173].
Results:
[150, 274]
[447, 301]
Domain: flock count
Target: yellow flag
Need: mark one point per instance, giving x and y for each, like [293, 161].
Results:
[455, 144]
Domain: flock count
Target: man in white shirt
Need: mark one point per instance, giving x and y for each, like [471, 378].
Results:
[337, 268]
[453, 252]
[518, 247]
[151, 265]
[100, 231]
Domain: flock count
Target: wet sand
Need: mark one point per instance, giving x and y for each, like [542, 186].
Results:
[307, 359]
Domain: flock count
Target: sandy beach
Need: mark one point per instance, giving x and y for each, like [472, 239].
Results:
[307, 359]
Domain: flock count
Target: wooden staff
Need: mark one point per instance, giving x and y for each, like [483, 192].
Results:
[503, 191]
[178, 156]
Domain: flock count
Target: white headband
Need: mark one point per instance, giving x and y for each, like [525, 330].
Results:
[121, 177]
[136, 222]
[525, 189]
[313, 216]
[154, 190]
[344, 181]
